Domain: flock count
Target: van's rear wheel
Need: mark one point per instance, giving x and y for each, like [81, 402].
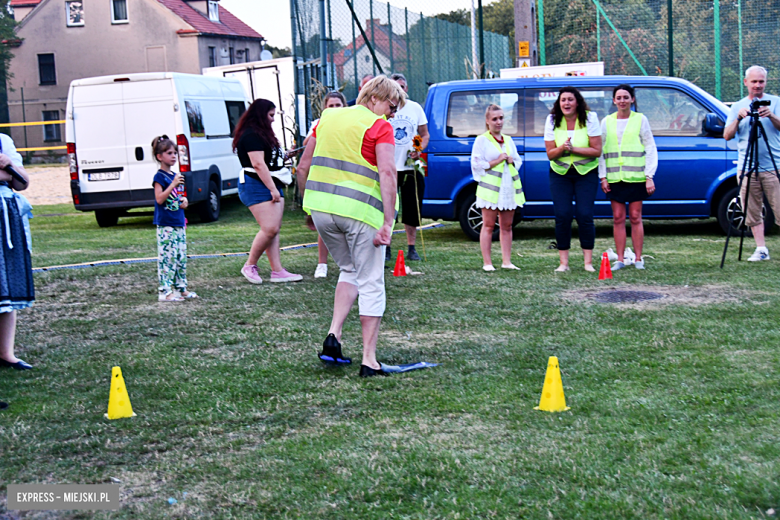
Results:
[106, 217]
[730, 202]
[470, 217]
[209, 208]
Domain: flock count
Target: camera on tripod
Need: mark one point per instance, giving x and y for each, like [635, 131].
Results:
[756, 104]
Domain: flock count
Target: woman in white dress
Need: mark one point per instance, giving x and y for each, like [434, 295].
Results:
[494, 165]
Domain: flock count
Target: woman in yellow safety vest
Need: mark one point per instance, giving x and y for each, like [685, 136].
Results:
[626, 170]
[572, 137]
[494, 165]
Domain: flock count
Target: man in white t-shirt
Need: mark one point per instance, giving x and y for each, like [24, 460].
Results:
[408, 122]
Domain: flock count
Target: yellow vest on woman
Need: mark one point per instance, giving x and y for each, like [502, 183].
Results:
[580, 140]
[490, 184]
[341, 181]
[626, 161]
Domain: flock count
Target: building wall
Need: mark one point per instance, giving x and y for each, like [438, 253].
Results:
[222, 47]
[147, 43]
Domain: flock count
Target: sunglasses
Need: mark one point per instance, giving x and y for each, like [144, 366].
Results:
[393, 108]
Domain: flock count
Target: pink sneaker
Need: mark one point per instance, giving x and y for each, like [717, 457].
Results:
[284, 276]
[250, 273]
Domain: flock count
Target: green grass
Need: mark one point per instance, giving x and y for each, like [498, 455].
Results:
[674, 404]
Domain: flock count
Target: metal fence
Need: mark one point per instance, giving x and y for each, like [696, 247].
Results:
[708, 42]
[426, 50]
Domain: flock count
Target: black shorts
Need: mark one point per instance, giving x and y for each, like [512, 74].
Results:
[627, 192]
[411, 196]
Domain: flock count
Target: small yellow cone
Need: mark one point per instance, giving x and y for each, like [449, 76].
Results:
[118, 401]
[552, 399]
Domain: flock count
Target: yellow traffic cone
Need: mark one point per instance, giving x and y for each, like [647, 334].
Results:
[118, 401]
[552, 399]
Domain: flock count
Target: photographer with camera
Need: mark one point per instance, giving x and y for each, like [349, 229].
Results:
[766, 109]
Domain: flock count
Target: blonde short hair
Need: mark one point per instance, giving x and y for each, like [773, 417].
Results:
[491, 107]
[383, 89]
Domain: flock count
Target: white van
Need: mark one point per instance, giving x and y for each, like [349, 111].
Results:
[111, 121]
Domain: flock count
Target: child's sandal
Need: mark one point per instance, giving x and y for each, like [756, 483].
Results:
[189, 296]
[169, 297]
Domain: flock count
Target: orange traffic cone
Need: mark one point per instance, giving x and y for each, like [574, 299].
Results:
[400, 265]
[606, 269]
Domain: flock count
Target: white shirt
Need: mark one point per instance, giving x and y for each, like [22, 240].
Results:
[9, 149]
[645, 137]
[592, 125]
[405, 123]
[481, 154]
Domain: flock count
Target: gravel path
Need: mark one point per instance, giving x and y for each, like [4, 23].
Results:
[48, 185]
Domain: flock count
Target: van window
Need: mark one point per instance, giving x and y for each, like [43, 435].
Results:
[195, 117]
[539, 103]
[235, 109]
[466, 112]
[671, 112]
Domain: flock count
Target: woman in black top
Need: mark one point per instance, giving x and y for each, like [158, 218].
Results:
[261, 157]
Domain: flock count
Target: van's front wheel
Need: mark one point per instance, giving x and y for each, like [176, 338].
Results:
[730, 202]
[106, 217]
[470, 217]
[209, 208]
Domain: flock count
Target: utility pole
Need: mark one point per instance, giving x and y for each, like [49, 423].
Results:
[525, 33]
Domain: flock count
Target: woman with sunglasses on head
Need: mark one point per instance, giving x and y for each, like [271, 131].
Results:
[332, 99]
[572, 137]
[626, 170]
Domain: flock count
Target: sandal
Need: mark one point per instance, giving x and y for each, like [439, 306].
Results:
[189, 296]
[169, 297]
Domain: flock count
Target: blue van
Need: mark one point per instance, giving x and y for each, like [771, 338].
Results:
[696, 175]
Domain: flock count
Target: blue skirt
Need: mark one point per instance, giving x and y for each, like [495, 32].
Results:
[16, 277]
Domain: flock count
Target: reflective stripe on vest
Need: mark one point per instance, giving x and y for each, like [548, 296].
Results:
[625, 161]
[341, 181]
[490, 184]
[580, 140]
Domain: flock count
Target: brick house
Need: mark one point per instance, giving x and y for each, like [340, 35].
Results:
[390, 52]
[62, 40]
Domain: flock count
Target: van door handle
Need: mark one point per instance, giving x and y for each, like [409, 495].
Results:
[139, 153]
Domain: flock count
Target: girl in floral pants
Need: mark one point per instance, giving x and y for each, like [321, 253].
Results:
[169, 207]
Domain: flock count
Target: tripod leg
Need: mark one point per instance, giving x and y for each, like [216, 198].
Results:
[731, 221]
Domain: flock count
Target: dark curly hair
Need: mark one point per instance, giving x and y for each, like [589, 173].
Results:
[582, 107]
[256, 119]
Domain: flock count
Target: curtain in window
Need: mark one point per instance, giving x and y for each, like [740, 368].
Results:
[120, 9]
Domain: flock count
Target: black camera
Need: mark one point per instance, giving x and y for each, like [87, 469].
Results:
[758, 103]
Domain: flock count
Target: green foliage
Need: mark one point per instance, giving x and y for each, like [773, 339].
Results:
[278, 52]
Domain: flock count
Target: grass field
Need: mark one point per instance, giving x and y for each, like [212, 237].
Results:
[675, 404]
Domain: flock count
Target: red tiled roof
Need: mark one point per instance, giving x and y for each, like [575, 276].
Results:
[381, 44]
[228, 24]
[25, 3]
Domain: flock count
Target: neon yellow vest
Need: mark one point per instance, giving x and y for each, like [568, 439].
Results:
[580, 140]
[341, 181]
[490, 184]
[625, 162]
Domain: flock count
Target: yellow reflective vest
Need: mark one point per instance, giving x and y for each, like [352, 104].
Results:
[580, 140]
[490, 184]
[625, 161]
[341, 181]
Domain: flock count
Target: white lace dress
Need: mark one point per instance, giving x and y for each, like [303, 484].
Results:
[481, 154]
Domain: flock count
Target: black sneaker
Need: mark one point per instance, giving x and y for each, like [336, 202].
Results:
[412, 255]
[388, 254]
[331, 352]
[366, 371]
[3, 405]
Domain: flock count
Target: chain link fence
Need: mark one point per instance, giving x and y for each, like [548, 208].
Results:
[381, 38]
[714, 41]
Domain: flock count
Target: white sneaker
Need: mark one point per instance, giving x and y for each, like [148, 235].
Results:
[761, 253]
[321, 271]
[488, 268]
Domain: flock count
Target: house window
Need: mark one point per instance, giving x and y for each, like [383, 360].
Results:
[368, 58]
[51, 132]
[46, 70]
[212, 56]
[246, 55]
[232, 54]
[213, 10]
[74, 13]
[119, 11]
